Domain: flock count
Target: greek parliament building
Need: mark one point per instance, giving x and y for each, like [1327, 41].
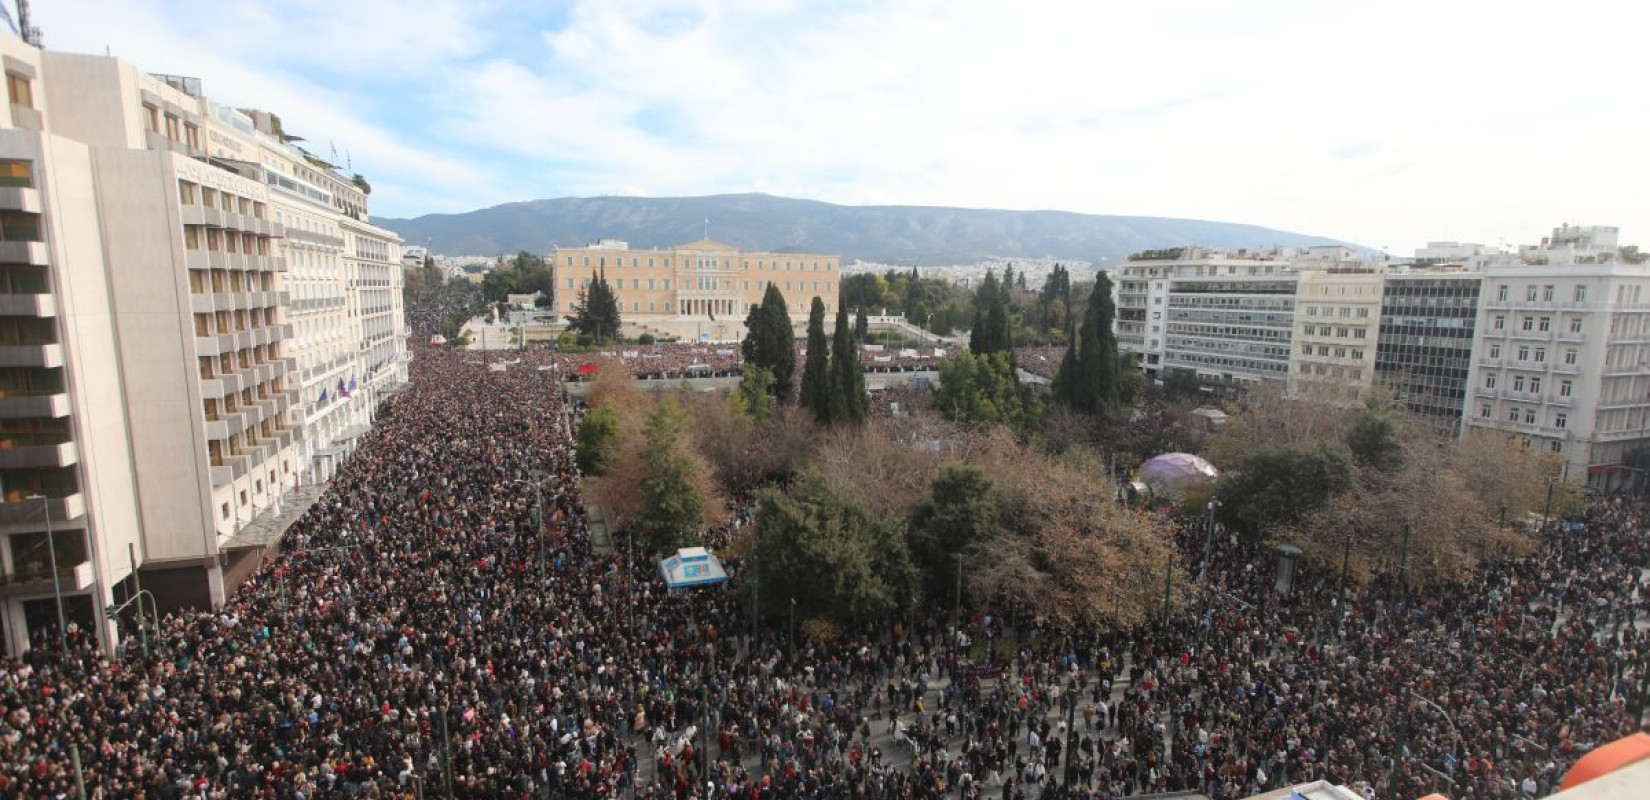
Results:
[701, 289]
[196, 321]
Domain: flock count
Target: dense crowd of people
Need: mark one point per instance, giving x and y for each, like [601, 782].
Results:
[420, 636]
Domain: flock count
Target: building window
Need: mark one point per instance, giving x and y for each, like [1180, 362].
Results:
[1570, 357]
[1575, 325]
[1529, 416]
[223, 511]
[20, 89]
[1489, 381]
[1495, 351]
[1541, 355]
[1524, 354]
[1529, 293]
[1545, 324]
[16, 173]
[1556, 446]
[1501, 292]
[1580, 293]
[1484, 411]
[1307, 330]
[1547, 293]
[1527, 322]
[1500, 321]
[1512, 415]
[1565, 388]
[1518, 383]
[1535, 385]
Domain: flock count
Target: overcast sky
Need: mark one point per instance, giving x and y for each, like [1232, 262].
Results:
[1384, 123]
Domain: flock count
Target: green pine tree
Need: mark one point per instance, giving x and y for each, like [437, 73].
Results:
[596, 312]
[770, 344]
[862, 326]
[673, 511]
[1091, 377]
[815, 377]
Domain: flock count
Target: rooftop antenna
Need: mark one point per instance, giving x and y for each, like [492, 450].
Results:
[707, 227]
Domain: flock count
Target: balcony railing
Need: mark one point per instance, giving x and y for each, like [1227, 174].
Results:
[72, 577]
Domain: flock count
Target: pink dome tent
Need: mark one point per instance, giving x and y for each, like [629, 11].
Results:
[1170, 474]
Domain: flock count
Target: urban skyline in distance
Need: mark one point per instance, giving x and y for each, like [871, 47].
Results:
[1304, 117]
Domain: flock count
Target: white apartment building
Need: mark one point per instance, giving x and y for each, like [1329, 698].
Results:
[378, 321]
[1227, 316]
[149, 395]
[1563, 356]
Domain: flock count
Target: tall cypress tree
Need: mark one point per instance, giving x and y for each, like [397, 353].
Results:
[1090, 377]
[847, 399]
[815, 377]
[597, 310]
[770, 344]
[862, 326]
[980, 337]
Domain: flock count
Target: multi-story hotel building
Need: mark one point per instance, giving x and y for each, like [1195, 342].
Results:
[705, 285]
[1226, 316]
[1564, 347]
[148, 392]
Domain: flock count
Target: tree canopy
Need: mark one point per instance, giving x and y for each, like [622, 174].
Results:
[598, 440]
[983, 390]
[596, 312]
[1092, 377]
[815, 395]
[769, 342]
[673, 510]
[991, 333]
[846, 400]
[830, 554]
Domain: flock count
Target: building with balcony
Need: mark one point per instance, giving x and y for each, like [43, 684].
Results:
[1563, 357]
[1227, 317]
[702, 289]
[149, 395]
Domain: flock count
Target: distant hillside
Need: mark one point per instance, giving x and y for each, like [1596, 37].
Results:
[889, 234]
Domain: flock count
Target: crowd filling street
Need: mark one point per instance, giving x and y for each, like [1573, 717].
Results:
[419, 636]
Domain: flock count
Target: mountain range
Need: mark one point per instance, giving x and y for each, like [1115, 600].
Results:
[918, 235]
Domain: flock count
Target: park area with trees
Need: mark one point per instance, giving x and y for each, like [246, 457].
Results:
[990, 493]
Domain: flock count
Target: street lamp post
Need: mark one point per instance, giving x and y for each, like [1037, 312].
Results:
[538, 512]
[1454, 732]
[143, 631]
[57, 580]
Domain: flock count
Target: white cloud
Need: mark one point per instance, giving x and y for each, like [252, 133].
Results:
[1386, 124]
